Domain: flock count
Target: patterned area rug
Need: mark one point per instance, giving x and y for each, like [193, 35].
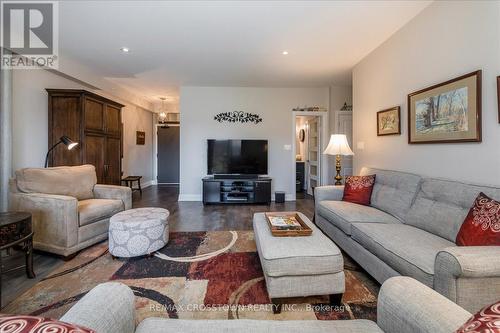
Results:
[198, 275]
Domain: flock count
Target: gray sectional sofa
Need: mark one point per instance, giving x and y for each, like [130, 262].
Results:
[404, 305]
[410, 229]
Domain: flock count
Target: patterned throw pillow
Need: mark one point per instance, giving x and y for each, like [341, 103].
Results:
[487, 320]
[29, 324]
[482, 225]
[358, 189]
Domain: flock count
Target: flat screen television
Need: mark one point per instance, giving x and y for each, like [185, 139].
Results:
[237, 157]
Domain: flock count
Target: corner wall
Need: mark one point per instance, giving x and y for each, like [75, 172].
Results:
[446, 40]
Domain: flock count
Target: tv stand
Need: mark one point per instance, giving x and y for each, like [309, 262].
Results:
[255, 190]
[235, 176]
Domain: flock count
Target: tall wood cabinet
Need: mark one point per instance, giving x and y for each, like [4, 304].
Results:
[93, 121]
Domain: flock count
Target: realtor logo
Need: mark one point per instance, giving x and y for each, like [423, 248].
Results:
[29, 36]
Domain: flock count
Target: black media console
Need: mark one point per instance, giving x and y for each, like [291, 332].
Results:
[236, 190]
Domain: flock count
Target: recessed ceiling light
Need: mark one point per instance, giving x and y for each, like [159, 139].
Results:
[284, 52]
[125, 49]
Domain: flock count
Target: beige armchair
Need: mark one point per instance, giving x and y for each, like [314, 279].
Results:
[70, 211]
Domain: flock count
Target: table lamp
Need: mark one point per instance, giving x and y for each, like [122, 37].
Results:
[338, 146]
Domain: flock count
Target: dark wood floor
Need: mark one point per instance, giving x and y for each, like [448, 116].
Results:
[194, 216]
[184, 216]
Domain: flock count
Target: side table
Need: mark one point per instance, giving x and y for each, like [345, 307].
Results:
[16, 230]
[129, 181]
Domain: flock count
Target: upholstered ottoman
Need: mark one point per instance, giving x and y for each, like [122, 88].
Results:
[299, 266]
[137, 232]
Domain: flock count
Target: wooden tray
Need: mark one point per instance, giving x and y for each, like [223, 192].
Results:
[305, 231]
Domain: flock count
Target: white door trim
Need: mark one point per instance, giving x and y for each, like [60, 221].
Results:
[155, 153]
[323, 143]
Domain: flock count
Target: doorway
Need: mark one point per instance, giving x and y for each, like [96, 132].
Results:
[309, 162]
[168, 154]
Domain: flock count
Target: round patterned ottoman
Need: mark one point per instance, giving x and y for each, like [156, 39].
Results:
[138, 232]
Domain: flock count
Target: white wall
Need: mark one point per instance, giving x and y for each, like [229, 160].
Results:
[445, 40]
[199, 105]
[30, 122]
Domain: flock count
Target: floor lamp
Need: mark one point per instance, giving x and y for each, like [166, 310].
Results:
[70, 144]
[338, 146]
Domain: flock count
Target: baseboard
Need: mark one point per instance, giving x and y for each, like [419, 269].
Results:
[190, 197]
[147, 184]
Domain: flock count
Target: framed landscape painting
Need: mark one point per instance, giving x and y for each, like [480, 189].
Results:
[447, 112]
[389, 121]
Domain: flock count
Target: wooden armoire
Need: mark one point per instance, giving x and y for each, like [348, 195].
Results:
[95, 123]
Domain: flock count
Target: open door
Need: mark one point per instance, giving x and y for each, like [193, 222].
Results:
[313, 154]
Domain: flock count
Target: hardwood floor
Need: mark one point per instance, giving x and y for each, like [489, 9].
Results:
[184, 216]
[194, 216]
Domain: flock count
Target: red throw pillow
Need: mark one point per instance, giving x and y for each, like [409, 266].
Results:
[29, 324]
[485, 321]
[358, 189]
[482, 225]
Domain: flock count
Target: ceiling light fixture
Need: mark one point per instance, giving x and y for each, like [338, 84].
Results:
[284, 52]
[125, 49]
[162, 117]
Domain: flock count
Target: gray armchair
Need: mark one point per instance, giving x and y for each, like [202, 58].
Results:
[70, 211]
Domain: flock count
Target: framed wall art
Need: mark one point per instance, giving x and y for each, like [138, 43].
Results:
[448, 112]
[140, 138]
[389, 121]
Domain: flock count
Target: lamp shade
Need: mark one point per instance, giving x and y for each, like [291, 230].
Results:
[338, 145]
[68, 142]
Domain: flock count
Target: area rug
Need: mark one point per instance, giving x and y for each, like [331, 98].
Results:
[198, 275]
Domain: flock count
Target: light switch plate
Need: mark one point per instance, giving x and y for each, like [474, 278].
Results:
[287, 147]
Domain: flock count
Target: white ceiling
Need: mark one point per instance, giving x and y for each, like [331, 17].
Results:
[227, 43]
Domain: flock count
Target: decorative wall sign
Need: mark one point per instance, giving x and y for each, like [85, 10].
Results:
[446, 112]
[238, 117]
[140, 138]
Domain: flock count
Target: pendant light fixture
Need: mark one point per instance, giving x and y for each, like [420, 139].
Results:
[162, 116]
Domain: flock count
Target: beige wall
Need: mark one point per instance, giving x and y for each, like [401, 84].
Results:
[137, 159]
[30, 122]
[445, 40]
